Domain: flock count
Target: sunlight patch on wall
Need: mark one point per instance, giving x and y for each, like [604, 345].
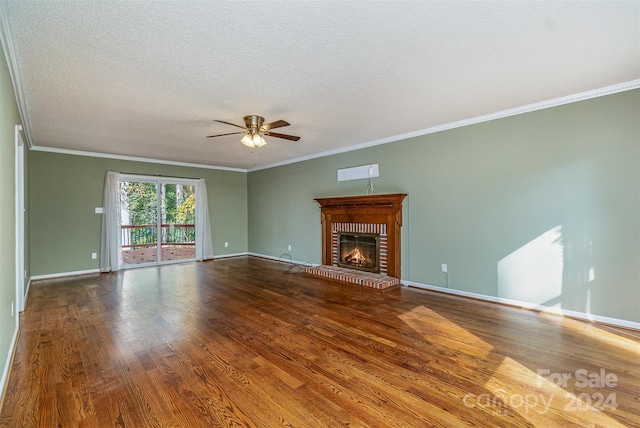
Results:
[533, 273]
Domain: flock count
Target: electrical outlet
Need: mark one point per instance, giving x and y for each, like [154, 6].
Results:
[11, 308]
[289, 247]
[94, 256]
[226, 245]
[444, 268]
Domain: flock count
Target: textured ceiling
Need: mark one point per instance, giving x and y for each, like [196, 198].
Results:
[146, 79]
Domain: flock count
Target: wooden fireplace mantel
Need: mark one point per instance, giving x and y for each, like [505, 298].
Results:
[378, 209]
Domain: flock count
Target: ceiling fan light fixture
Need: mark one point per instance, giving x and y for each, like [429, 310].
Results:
[258, 141]
[247, 141]
[253, 140]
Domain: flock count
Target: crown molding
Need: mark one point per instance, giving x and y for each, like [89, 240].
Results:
[132, 158]
[581, 96]
[14, 72]
[555, 102]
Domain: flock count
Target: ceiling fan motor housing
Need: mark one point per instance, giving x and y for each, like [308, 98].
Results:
[253, 123]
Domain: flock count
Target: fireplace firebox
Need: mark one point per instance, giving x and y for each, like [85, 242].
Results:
[359, 251]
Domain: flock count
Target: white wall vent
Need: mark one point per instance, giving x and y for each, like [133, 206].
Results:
[359, 172]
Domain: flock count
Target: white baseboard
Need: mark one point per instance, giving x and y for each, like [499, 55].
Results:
[224, 256]
[530, 306]
[4, 381]
[26, 293]
[282, 259]
[63, 274]
[94, 271]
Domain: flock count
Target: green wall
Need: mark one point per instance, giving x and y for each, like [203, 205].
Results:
[9, 117]
[543, 207]
[65, 189]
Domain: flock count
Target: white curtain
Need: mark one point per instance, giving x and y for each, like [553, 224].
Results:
[110, 251]
[204, 243]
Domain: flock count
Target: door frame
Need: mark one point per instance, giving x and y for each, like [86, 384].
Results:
[158, 180]
[19, 197]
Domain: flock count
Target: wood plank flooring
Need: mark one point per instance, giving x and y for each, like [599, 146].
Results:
[245, 342]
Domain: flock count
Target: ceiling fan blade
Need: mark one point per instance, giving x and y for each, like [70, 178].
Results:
[285, 136]
[222, 135]
[229, 123]
[276, 124]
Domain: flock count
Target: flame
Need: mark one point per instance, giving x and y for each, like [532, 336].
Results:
[356, 258]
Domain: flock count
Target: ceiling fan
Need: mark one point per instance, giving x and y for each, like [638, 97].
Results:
[255, 129]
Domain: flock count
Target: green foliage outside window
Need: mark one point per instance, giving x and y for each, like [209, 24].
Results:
[140, 206]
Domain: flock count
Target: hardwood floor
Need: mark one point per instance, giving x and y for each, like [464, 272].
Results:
[241, 342]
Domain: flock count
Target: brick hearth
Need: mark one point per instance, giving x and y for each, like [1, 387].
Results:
[368, 279]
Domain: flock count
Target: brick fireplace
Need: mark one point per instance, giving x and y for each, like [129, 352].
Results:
[369, 223]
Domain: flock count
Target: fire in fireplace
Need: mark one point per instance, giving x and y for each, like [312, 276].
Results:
[359, 251]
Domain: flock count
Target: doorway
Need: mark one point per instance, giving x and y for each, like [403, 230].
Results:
[157, 220]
